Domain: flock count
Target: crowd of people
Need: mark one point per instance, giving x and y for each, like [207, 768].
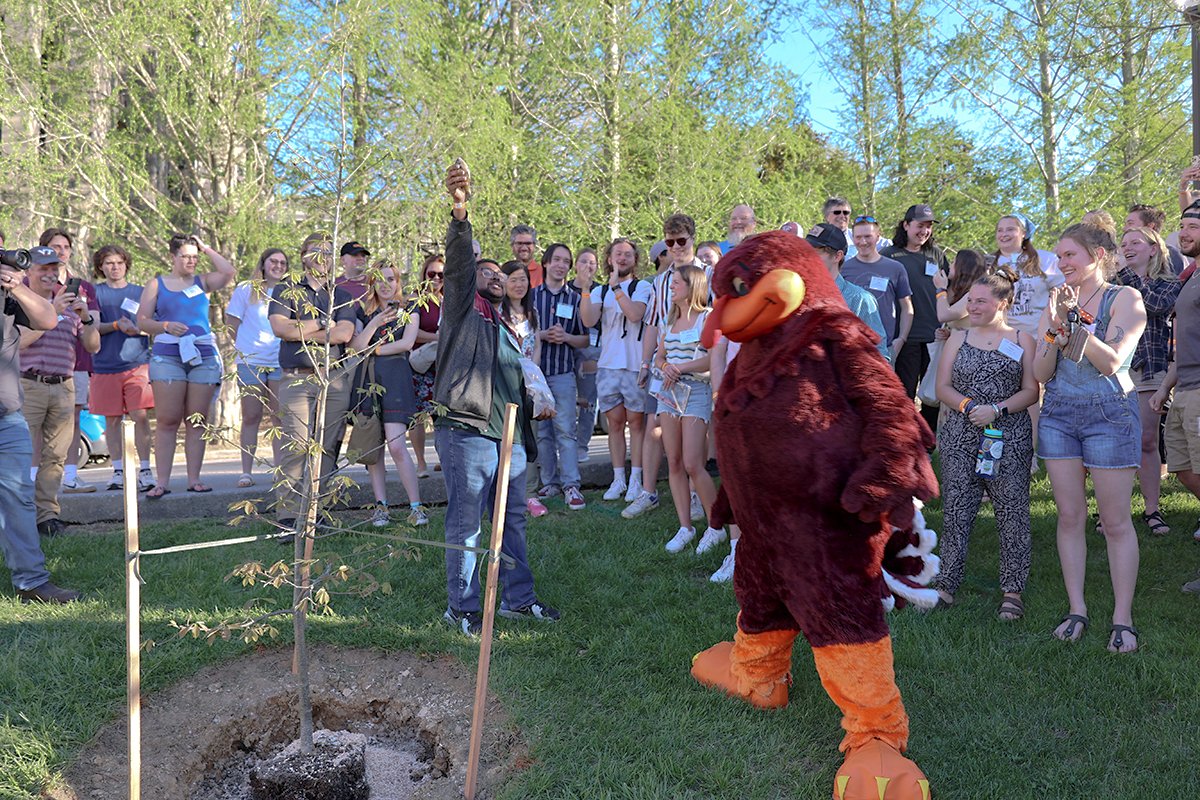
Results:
[1070, 356]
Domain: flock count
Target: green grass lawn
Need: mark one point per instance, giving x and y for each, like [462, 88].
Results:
[604, 697]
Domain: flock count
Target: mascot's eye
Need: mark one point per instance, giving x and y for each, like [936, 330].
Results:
[739, 287]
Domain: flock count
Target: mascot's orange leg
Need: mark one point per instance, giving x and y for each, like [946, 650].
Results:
[754, 667]
[860, 680]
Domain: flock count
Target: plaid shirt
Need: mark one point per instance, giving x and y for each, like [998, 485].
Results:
[1153, 352]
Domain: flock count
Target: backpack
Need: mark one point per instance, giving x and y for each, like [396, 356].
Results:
[624, 320]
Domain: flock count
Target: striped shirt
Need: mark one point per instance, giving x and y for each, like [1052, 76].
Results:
[684, 346]
[557, 308]
[54, 351]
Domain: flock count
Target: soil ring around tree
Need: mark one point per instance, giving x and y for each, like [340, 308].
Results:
[201, 737]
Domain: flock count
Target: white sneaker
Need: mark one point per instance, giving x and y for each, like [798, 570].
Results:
[633, 492]
[697, 509]
[711, 538]
[615, 489]
[725, 573]
[380, 518]
[418, 517]
[682, 538]
[145, 480]
[77, 486]
[644, 502]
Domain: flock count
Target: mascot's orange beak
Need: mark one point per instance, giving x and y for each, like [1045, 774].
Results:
[773, 299]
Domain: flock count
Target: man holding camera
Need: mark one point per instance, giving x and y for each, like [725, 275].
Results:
[48, 380]
[21, 309]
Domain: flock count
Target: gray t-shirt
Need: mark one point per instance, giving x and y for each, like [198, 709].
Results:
[1187, 335]
[887, 281]
[10, 359]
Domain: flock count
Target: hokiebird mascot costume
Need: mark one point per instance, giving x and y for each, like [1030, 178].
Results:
[821, 456]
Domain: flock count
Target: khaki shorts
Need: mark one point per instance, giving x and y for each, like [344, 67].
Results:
[1182, 434]
[1147, 383]
[82, 383]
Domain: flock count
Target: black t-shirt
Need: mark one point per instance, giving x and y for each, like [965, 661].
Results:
[921, 267]
[10, 359]
[302, 302]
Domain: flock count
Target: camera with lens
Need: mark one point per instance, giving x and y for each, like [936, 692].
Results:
[17, 259]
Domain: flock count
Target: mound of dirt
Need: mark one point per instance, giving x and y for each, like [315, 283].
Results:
[201, 737]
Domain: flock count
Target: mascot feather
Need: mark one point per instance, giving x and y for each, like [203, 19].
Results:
[821, 456]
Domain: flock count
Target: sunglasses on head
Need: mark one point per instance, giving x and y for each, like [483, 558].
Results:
[676, 242]
[840, 212]
[865, 218]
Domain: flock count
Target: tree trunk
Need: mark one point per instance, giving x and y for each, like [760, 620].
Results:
[866, 111]
[1047, 116]
[613, 118]
[897, 79]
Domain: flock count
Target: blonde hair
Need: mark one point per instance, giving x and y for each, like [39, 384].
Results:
[1101, 219]
[697, 297]
[1029, 262]
[1159, 267]
[1092, 238]
[371, 302]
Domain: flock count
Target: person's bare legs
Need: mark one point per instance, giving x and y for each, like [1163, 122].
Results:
[637, 428]
[1150, 472]
[113, 434]
[1070, 497]
[377, 472]
[695, 454]
[252, 415]
[141, 434]
[652, 453]
[395, 432]
[416, 437]
[169, 400]
[198, 404]
[672, 442]
[616, 418]
[1114, 490]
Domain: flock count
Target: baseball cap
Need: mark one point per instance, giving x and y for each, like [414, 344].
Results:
[830, 236]
[792, 228]
[1191, 212]
[354, 249]
[656, 250]
[919, 213]
[43, 255]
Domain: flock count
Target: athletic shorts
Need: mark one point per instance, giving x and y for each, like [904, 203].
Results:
[121, 392]
[617, 387]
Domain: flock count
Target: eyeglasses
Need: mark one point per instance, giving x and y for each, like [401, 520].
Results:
[677, 242]
[865, 218]
[523, 242]
[493, 275]
[840, 212]
[319, 254]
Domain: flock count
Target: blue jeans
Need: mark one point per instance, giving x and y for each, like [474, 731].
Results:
[558, 450]
[18, 517]
[470, 463]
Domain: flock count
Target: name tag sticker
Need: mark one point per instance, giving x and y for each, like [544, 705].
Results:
[931, 268]
[878, 284]
[130, 305]
[1011, 349]
[193, 291]
[594, 337]
[690, 336]
[564, 311]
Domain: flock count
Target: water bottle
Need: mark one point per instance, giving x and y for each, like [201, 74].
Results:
[991, 448]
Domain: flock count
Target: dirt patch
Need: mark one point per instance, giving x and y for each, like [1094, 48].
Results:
[201, 737]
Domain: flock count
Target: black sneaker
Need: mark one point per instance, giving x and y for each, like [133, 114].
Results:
[51, 527]
[468, 622]
[536, 610]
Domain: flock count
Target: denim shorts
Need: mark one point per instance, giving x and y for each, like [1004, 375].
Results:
[1104, 431]
[169, 369]
[252, 377]
[699, 403]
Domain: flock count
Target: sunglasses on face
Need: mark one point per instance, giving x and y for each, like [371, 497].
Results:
[865, 218]
[434, 276]
[840, 212]
[676, 242]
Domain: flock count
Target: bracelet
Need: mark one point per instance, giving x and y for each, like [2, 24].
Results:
[962, 406]
[996, 409]
[460, 206]
[939, 293]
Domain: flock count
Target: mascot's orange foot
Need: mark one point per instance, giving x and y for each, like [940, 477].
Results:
[711, 667]
[877, 771]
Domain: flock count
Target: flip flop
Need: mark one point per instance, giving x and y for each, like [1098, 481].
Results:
[246, 481]
[1117, 642]
[150, 494]
[199, 488]
[1075, 621]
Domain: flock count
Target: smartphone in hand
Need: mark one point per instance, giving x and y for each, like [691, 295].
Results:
[73, 286]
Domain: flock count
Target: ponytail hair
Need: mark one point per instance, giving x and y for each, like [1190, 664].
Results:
[1001, 281]
[1093, 238]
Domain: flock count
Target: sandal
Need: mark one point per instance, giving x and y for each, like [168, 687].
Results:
[199, 488]
[1074, 621]
[157, 491]
[246, 481]
[1117, 642]
[1157, 525]
[1099, 525]
[1013, 607]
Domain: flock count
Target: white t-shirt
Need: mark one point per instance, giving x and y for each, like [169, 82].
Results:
[1031, 295]
[256, 343]
[620, 340]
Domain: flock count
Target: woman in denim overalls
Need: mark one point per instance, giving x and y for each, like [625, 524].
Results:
[1090, 421]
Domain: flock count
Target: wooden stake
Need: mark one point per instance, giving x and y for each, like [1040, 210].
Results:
[133, 613]
[489, 602]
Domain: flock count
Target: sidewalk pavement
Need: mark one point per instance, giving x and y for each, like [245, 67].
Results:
[223, 468]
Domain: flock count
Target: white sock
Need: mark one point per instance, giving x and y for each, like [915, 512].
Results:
[118, 465]
[69, 472]
[619, 474]
[33, 473]
[635, 475]
[146, 464]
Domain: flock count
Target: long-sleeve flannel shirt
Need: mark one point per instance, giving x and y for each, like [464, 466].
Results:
[1153, 351]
